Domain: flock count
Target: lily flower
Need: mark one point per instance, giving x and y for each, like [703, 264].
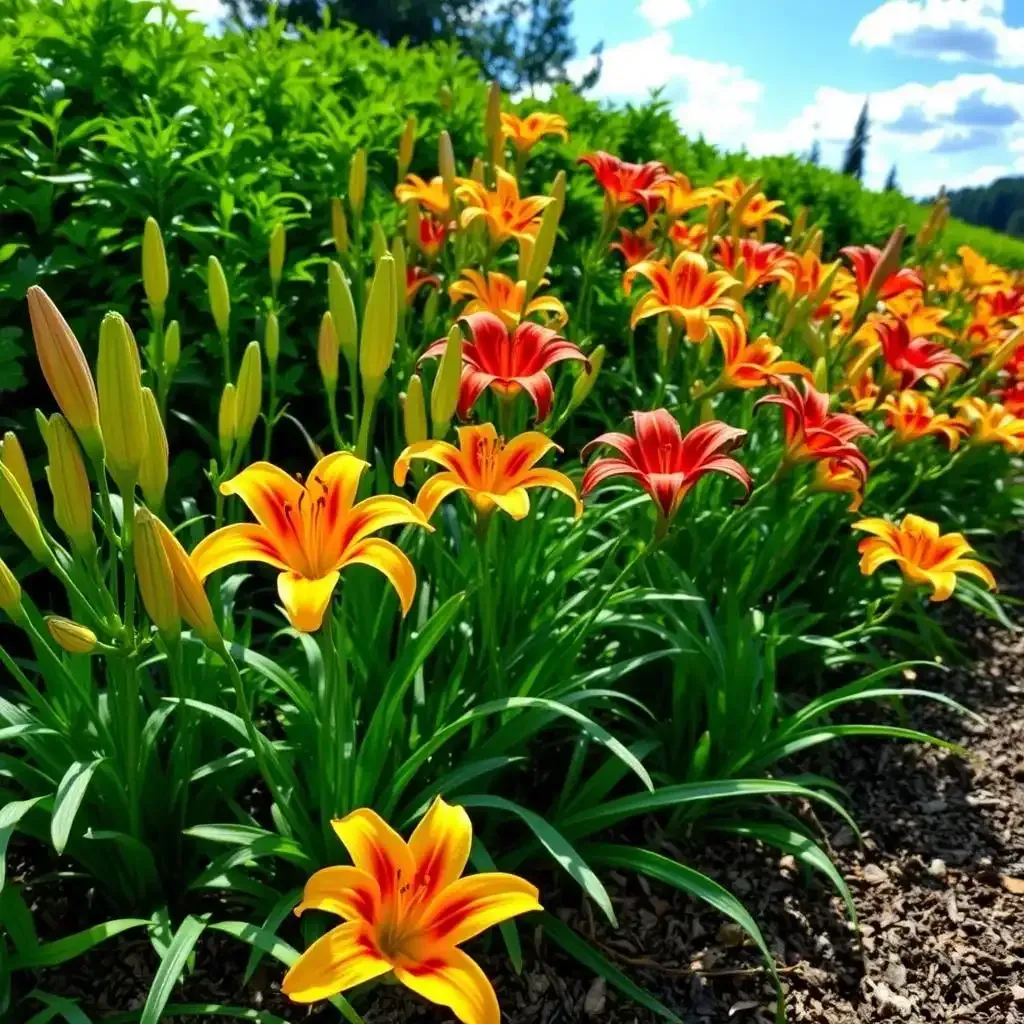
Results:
[922, 320]
[911, 359]
[809, 274]
[664, 462]
[980, 275]
[755, 263]
[679, 196]
[431, 236]
[505, 214]
[864, 391]
[991, 423]
[508, 363]
[1012, 398]
[924, 555]
[865, 259]
[812, 432]
[405, 910]
[498, 294]
[431, 195]
[526, 132]
[626, 184]
[686, 290]
[910, 416]
[311, 533]
[690, 237]
[758, 211]
[635, 246]
[493, 473]
[750, 364]
[841, 477]
[415, 279]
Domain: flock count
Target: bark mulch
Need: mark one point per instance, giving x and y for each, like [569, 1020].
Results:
[938, 880]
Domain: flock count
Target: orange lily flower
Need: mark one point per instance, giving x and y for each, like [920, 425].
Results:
[809, 273]
[406, 909]
[864, 391]
[922, 320]
[527, 131]
[910, 416]
[910, 359]
[750, 364]
[432, 195]
[686, 290]
[505, 214]
[812, 432]
[664, 462]
[979, 274]
[758, 211]
[415, 279]
[311, 533]
[432, 236]
[679, 196]
[865, 258]
[924, 556]
[688, 236]
[626, 184]
[635, 246]
[1012, 398]
[1001, 305]
[507, 363]
[839, 476]
[991, 423]
[492, 472]
[498, 294]
[755, 263]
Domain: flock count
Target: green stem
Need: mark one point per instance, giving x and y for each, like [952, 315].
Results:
[366, 423]
[332, 413]
[271, 413]
[107, 508]
[487, 600]
[127, 560]
[225, 349]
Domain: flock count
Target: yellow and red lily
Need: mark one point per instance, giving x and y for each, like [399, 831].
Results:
[491, 472]
[526, 132]
[626, 184]
[679, 196]
[430, 236]
[432, 195]
[759, 209]
[405, 909]
[311, 532]
[753, 263]
[838, 476]
[909, 359]
[503, 211]
[498, 294]
[635, 246]
[991, 423]
[910, 416]
[417, 278]
[688, 237]
[865, 258]
[750, 364]
[925, 556]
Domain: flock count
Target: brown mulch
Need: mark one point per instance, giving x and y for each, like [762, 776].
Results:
[938, 881]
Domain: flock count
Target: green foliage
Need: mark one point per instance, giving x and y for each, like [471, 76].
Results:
[998, 205]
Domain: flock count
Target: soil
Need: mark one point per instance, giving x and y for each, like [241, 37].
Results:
[938, 879]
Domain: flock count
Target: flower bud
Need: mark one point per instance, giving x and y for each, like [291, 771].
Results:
[272, 339]
[343, 313]
[120, 389]
[327, 351]
[476, 172]
[740, 206]
[378, 241]
[71, 636]
[585, 382]
[13, 458]
[430, 307]
[558, 192]
[154, 469]
[65, 369]
[191, 600]
[248, 392]
[821, 374]
[380, 325]
[172, 347]
[444, 396]
[1000, 357]
[226, 422]
[10, 593]
[69, 484]
[662, 337]
[155, 279]
[492, 118]
[153, 571]
[339, 227]
[525, 261]
[21, 519]
[406, 145]
[412, 223]
[220, 297]
[276, 255]
[444, 98]
[888, 263]
[446, 163]
[357, 182]
[414, 412]
[544, 245]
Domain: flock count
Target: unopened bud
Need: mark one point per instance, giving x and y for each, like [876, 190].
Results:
[276, 256]
[172, 347]
[220, 297]
[380, 326]
[378, 241]
[888, 262]
[476, 172]
[343, 313]
[446, 163]
[492, 118]
[544, 244]
[13, 457]
[71, 636]
[272, 339]
[155, 279]
[558, 192]
[153, 572]
[444, 98]
[226, 422]
[444, 396]
[248, 393]
[154, 469]
[587, 379]
[69, 484]
[192, 602]
[10, 593]
[357, 182]
[339, 227]
[414, 412]
[821, 374]
[327, 352]
[21, 518]
[120, 392]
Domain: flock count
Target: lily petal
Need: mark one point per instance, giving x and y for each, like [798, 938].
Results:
[385, 557]
[240, 542]
[440, 847]
[305, 600]
[449, 977]
[556, 481]
[346, 891]
[376, 848]
[346, 956]
[436, 489]
[475, 903]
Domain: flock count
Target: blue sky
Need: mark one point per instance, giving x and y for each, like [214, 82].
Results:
[945, 78]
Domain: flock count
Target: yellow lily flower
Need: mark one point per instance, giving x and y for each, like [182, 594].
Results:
[526, 132]
[310, 533]
[406, 909]
[433, 195]
[504, 212]
[991, 423]
[498, 294]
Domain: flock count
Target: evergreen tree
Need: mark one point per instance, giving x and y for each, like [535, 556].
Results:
[853, 161]
[890, 181]
[814, 156]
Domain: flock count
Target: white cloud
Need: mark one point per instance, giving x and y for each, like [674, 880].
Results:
[660, 13]
[977, 176]
[950, 30]
[710, 98]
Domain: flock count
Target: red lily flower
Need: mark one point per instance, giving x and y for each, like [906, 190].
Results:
[664, 462]
[1012, 398]
[1001, 305]
[432, 235]
[913, 359]
[415, 279]
[635, 246]
[812, 432]
[508, 363]
[865, 258]
[626, 184]
[762, 262]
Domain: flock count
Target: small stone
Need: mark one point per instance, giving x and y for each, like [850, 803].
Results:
[1018, 993]
[787, 863]
[596, 996]
[887, 998]
[896, 975]
[873, 874]
[937, 868]
[730, 934]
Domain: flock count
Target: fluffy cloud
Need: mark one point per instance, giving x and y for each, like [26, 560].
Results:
[710, 98]
[950, 30]
[660, 13]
